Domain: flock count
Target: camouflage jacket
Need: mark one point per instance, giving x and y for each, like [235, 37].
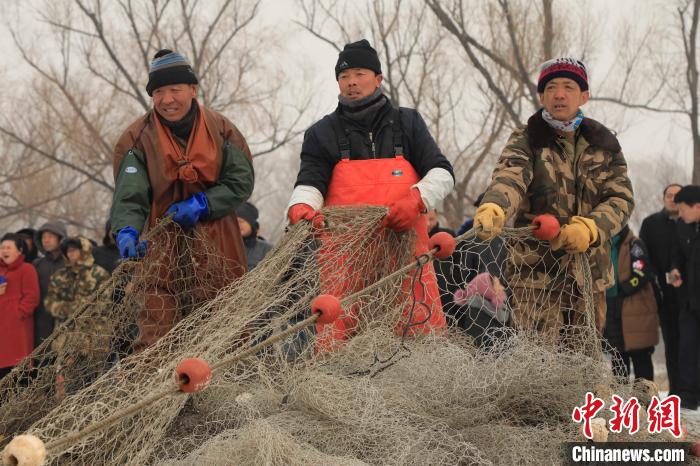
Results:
[534, 175]
[72, 284]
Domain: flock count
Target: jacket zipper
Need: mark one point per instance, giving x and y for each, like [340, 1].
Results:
[371, 140]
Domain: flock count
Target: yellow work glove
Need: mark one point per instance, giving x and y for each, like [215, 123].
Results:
[489, 220]
[577, 236]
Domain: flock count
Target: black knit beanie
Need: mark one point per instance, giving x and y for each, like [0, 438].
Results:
[249, 213]
[358, 55]
[167, 68]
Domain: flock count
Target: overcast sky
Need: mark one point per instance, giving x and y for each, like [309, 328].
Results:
[644, 136]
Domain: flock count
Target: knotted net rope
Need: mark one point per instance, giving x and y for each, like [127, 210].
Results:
[479, 392]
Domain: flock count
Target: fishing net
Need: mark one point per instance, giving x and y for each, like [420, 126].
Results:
[482, 391]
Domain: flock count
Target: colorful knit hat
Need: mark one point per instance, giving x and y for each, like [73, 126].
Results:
[564, 67]
[167, 68]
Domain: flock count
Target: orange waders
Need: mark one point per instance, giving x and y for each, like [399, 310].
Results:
[377, 182]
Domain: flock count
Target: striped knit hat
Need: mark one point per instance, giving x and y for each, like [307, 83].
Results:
[565, 67]
[169, 67]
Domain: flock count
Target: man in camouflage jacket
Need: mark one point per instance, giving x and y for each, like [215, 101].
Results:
[572, 167]
[69, 288]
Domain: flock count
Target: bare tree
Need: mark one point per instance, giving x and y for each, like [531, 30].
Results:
[92, 85]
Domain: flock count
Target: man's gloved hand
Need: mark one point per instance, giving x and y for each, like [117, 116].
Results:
[577, 236]
[403, 212]
[190, 211]
[299, 212]
[129, 245]
[489, 220]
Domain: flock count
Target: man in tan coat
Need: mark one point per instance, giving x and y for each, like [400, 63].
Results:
[185, 160]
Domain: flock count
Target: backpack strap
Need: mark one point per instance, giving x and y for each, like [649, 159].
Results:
[341, 134]
[396, 132]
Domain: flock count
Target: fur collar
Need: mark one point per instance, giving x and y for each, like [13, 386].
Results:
[597, 135]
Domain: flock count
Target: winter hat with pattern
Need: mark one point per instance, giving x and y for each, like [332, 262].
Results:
[167, 68]
[564, 67]
[358, 55]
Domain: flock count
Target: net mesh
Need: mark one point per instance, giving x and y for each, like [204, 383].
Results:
[482, 391]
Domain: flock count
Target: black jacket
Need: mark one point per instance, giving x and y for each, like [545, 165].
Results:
[256, 248]
[321, 150]
[659, 234]
[43, 321]
[686, 258]
[107, 257]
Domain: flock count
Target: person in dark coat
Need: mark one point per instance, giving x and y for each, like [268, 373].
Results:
[685, 277]
[371, 152]
[48, 240]
[27, 235]
[19, 297]
[107, 255]
[256, 248]
[659, 234]
[631, 324]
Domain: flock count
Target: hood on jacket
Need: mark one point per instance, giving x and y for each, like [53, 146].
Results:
[85, 246]
[56, 227]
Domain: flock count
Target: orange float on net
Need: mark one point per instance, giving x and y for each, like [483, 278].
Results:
[445, 244]
[327, 307]
[193, 375]
[546, 227]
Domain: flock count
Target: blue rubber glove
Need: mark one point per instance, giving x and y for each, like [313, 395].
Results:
[129, 245]
[190, 211]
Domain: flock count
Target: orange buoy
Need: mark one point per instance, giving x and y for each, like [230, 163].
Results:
[327, 307]
[193, 375]
[546, 227]
[445, 244]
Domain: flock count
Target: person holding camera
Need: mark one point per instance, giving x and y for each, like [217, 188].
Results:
[685, 276]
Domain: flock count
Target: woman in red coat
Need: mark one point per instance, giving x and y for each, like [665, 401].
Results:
[19, 296]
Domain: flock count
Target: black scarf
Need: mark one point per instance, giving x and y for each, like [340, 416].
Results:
[182, 128]
[364, 111]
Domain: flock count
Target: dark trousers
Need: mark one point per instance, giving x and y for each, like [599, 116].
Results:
[689, 332]
[4, 371]
[43, 325]
[640, 360]
[670, 331]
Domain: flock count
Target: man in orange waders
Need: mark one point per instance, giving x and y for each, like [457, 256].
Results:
[370, 152]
